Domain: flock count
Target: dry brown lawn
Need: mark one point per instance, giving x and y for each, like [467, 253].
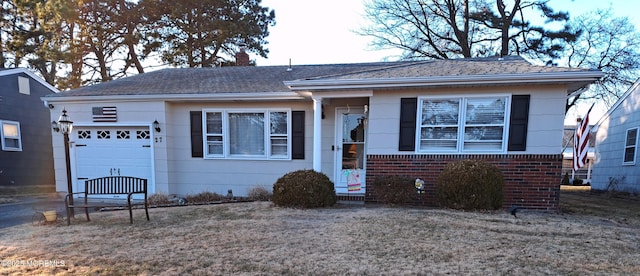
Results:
[594, 234]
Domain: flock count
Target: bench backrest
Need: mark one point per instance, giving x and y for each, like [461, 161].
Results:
[115, 185]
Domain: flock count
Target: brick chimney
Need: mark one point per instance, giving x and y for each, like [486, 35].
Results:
[242, 58]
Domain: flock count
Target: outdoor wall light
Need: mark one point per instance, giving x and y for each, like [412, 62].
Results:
[156, 126]
[54, 126]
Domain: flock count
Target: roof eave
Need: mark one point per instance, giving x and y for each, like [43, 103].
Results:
[232, 96]
[585, 77]
[12, 71]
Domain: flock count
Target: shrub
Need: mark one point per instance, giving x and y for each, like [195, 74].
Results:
[577, 182]
[260, 194]
[204, 197]
[304, 189]
[394, 189]
[470, 185]
[158, 199]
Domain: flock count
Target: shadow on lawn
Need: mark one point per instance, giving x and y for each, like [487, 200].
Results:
[610, 205]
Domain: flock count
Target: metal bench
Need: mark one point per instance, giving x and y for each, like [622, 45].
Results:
[108, 185]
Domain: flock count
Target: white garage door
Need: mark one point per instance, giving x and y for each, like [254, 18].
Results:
[106, 151]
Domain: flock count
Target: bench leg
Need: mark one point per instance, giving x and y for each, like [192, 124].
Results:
[146, 208]
[86, 211]
[130, 211]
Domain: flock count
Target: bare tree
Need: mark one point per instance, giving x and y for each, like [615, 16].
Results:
[443, 29]
[438, 29]
[610, 44]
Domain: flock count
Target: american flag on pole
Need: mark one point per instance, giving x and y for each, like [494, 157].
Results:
[105, 114]
[581, 142]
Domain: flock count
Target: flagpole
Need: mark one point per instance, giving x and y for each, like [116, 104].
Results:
[575, 148]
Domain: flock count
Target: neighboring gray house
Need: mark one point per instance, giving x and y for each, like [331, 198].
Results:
[616, 166]
[26, 154]
[242, 127]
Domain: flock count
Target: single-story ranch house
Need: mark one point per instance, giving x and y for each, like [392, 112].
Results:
[234, 128]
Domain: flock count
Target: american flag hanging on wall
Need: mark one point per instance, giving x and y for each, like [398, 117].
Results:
[581, 142]
[105, 114]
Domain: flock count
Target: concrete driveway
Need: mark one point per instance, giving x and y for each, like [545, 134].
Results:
[22, 211]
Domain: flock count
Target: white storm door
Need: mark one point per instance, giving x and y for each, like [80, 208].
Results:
[112, 151]
[349, 151]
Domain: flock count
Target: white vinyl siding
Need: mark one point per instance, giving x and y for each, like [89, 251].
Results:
[630, 146]
[11, 137]
[462, 124]
[250, 134]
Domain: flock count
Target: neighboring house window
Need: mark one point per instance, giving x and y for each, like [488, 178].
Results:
[23, 86]
[464, 124]
[11, 140]
[630, 146]
[263, 134]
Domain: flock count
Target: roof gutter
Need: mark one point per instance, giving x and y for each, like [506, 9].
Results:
[557, 77]
[264, 96]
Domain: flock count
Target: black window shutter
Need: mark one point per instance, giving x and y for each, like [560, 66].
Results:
[519, 122]
[196, 134]
[297, 134]
[408, 109]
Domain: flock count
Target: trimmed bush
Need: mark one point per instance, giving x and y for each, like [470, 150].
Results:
[260, 194]
[394, 189]
[470, 185]
[304, 189]
[158, 199]
[204, 197]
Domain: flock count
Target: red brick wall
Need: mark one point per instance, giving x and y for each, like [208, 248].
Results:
[530, 180]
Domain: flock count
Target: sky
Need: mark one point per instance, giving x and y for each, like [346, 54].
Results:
[322, 32]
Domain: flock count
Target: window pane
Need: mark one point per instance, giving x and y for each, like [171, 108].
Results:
[439, 133]
[353, 128]
[278, 146]
[483, 133]
[11, 143]
[278, 122]
[482, 145]
[447, 145]
[214, 145]
[10, 130]
[631, 137]
[629, 154]
[214, 123]
[440, 112]
[246, 133]
[485, 111]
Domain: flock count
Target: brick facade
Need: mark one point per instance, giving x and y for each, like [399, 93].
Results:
[530, 180]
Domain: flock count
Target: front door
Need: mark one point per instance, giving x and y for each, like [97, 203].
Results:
[349, 151]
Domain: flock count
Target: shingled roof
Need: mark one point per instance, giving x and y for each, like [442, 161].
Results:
[264, 79]
[453, 67]
[232, 79]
